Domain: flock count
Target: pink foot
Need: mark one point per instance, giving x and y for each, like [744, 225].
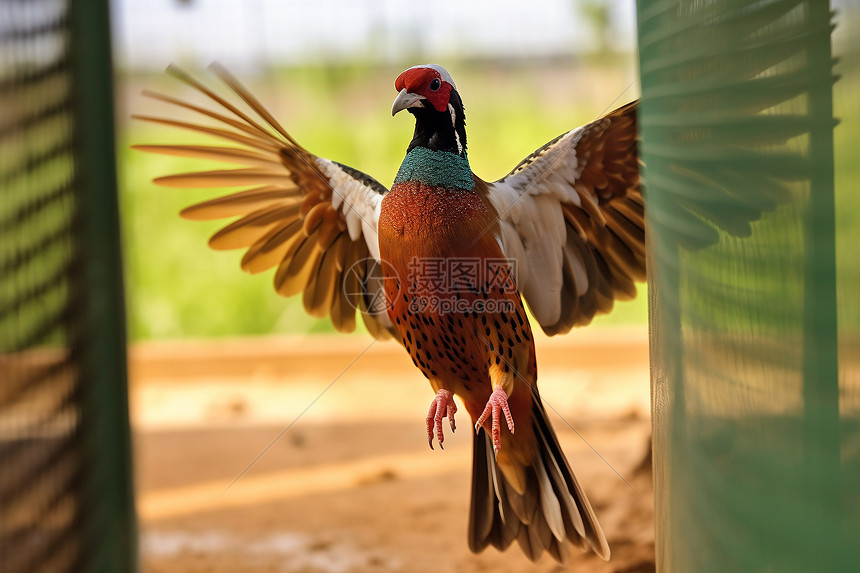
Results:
[497, 403]
[442, 405]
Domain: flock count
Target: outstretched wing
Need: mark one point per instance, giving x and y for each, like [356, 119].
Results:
[313, 219]
[572, 216]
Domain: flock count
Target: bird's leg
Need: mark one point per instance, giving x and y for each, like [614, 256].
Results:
[441, 406]
[496, 405]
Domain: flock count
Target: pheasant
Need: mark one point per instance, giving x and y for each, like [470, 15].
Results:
[443, 262]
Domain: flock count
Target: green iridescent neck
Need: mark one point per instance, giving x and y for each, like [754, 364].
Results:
[436, 168]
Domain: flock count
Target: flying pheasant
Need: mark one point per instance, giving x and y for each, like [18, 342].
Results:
[443, 262]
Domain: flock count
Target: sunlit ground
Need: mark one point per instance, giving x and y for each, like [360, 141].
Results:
[352, 485]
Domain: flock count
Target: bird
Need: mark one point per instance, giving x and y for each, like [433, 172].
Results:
[444, 263]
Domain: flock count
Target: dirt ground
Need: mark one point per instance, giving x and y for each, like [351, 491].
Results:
[351, 486]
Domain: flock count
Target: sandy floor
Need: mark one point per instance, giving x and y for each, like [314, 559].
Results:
[352, 485]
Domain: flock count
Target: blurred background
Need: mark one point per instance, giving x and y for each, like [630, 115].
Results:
[220, 365]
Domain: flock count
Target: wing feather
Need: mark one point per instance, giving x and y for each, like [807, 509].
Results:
[295, 270]
[238, 203]
[244, 232]
[227, 154]
[572, 216]
[232, 136]
[271, 248]
[223, 178]
[317, 296]
[313, 219]
[243, 124]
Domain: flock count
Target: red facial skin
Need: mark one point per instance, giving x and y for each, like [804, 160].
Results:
[417, 81]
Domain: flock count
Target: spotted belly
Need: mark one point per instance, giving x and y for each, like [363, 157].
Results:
[456, 335]
[451, 293]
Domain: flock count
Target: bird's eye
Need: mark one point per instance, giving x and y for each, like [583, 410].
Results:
[435, 84]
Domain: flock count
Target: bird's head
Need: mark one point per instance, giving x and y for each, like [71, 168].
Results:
[429, 93]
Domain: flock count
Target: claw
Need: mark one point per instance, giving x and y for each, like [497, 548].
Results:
[498, 403]
[442, 405]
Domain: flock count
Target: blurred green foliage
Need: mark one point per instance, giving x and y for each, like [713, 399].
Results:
[177, 287]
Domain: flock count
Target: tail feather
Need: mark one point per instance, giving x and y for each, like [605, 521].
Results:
[549, 501]
[484, 514]
[525, 505]
[550, 515]
[559, 550]
[492, 520]
[585, 516]
[536, 537]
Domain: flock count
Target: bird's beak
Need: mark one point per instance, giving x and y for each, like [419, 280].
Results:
[404, 100]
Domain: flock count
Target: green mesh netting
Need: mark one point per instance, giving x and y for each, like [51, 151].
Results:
[65, 488]
[753, 283]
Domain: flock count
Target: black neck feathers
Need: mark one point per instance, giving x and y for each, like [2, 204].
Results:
[437, 131]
